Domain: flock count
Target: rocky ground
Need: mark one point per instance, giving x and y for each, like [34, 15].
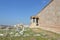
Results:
[28, 34]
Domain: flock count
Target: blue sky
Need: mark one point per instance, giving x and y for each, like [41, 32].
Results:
[19, 11]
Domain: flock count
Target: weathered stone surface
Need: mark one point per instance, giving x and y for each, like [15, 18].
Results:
[49, 17]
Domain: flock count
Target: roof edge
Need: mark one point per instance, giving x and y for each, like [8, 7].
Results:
[44, 7]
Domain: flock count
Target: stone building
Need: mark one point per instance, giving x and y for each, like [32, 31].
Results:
[48, 18]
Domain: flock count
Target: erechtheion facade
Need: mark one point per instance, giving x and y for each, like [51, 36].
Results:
[48, 18]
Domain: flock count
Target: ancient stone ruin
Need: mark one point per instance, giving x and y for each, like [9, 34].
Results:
[48, 18]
